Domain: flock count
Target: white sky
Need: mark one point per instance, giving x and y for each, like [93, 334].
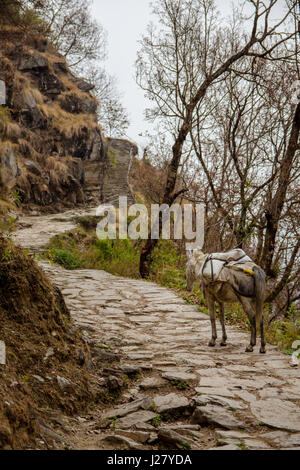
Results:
[125, 21]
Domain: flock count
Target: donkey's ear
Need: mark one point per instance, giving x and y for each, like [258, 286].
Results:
[189, 254]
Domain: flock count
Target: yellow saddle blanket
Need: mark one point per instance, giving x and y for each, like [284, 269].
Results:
[246, 267]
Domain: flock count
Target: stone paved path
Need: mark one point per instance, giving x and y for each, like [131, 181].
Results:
[185, 394]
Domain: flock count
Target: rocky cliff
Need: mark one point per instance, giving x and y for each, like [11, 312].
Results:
[52, 150]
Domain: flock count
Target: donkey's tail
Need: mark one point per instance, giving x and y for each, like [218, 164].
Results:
[260, 292]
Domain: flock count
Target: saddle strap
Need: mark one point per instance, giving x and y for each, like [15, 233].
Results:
[211, 258]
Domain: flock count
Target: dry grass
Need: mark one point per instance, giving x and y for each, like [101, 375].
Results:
[26, 149]
[31, 309]
[8, 128]
[53, 59]
[69, 84]
[75, 92]
[6, 206]
[20, 81]
[12, 131]
[59, 171]
[6, 146]
[28, 93]
[6, 67]
[58, 164]
[67, 124]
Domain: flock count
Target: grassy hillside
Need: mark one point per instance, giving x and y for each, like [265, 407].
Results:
[41, 345]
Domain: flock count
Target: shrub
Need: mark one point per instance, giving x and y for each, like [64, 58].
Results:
[66, 258]
[285, 331]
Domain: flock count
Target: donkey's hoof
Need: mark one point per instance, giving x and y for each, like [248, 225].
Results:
[212, 344]
[262, 350]
[223, 343]
[249, 348]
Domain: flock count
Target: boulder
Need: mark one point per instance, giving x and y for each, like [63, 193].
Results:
[152, 383]
[60, 67]
[231, 434]
[179, 376]
[218, 416]
[73, 103]
[227, 447]
[114, 441]
[30, 113]
[282, 439]
[204, 400]
[129, 368]
[277, 413]
[114, 383]
[175, 440]
[87, 145]
[100, 356]
[138, 436]
[85, 86]
[50, 84]
[33, 61]
[171, 403]
[9, 165]
[64, 384]
[127, 408]
[133, 419]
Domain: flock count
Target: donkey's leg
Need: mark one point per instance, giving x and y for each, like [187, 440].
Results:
[222, 321]
[212, 312]
[262, 336]
[251, 315]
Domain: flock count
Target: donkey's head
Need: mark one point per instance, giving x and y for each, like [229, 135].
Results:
[195, 259]
[190, 275]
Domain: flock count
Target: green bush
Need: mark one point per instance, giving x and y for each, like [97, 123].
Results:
[65, 258]
[285, 331]
[168, 267]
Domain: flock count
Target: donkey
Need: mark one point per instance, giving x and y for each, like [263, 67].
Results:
[239, 287]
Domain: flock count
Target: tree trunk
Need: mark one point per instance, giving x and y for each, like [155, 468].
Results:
[146, 257]
[274, 211]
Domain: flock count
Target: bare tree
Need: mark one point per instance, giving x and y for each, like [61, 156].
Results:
[72, 29]
[180, 60]
[246, 150]
[112, 115]
[82, 41]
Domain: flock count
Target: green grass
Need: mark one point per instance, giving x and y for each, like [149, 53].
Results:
[242, 446]
[180, 384]
[156, 421]
[65, 258]
[284, 332]
[80, 249]
[168, 267]
[185, 445]
[103, 346]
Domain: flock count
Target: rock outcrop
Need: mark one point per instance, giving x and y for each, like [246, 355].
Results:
[52, 149]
